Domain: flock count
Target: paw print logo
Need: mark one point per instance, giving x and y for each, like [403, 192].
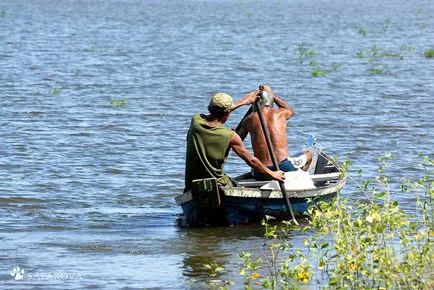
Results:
[17, 273]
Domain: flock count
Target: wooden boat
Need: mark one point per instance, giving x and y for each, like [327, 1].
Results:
[207, 204]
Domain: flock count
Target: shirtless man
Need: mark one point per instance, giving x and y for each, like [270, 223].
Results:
[276, 119]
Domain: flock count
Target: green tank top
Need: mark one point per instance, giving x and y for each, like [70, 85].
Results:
[207, 151]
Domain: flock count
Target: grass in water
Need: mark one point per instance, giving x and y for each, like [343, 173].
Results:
[318, 72]
[376, 70]
[362, 31]
[429, 53]
[118, 102]
[303, 52]
[55, 91]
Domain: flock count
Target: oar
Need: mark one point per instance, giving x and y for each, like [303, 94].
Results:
[249, 111]
[273, 158]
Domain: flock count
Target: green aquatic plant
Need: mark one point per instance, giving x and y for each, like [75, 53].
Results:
[429, 53]
[303, 52]
[375, 55]
[55, 91]
[360, 54]
[3, 13]
[118, 102]
[95, 49]
[362, 31]
[375, 51]
[407, 48]
[376, 70]
[336, 67]
[92, 49]
[249, 269]
[392, 55]
[214, 269]
[421, 11]
[318, 72]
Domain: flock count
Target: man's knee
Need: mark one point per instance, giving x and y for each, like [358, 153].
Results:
[308, 156]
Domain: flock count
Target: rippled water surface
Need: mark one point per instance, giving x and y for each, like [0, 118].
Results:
[96, 98]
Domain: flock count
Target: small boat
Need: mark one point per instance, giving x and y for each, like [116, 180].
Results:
[207, 204]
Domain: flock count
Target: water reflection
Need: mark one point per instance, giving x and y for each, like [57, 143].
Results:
[210, 245]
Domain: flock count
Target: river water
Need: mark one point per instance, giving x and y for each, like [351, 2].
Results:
[96, 98]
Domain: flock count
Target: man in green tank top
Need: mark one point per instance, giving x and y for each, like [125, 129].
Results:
[209, 142]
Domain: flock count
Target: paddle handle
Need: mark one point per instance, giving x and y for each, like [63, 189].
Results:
[249, 111]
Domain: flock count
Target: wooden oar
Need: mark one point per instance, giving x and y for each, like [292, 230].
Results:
[273, 158]
[249, 111]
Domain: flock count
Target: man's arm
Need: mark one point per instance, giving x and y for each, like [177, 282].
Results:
[289, 111]
[248, 99]
[237, 145]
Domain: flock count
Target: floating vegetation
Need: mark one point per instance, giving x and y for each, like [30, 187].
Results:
[313, 63]
[376, 70]
[318, 72]
[376, 54]
[363, 31]
[407, 48]
[3, 14]
[375, 51]
[303, 53]
[360, 54]
[55, 91]
[429, 53]
[421, 11]
[94, 48]
[118, 102]
[336, 66]
[392, 55]
[386, 25]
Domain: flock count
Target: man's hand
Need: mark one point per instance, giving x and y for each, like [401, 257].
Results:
[278, 175]
[248, 99]
[253, 96]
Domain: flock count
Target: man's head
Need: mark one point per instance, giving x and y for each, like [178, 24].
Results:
[267, 96]
[267, 99]
[221, 104]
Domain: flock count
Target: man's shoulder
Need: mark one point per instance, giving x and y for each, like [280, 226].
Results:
[198, 117]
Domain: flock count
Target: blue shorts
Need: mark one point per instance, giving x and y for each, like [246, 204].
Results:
[286, 165]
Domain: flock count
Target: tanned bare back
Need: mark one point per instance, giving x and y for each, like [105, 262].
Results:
[276, 119]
